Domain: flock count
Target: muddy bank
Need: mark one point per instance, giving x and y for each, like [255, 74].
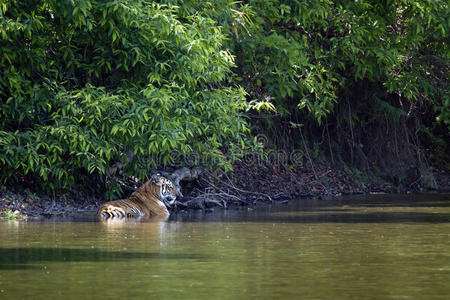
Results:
[245, 186]
[25, 204]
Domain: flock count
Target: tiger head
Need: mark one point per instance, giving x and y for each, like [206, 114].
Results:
[168, 192]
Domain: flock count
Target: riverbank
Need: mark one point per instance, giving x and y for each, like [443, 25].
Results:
[244, 186]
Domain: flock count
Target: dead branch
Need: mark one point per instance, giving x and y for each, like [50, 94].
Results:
[185, 174]
[182, 174]
[200, 201]
[230, 184]
[212, 194]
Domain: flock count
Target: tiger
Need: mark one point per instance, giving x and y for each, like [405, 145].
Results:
[151, 199]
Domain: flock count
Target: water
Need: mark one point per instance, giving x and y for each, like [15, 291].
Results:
[365, 247]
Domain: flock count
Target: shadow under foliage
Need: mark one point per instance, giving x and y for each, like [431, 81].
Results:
[357, 209]
[30, 258]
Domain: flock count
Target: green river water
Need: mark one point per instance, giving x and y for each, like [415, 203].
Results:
[363, 247]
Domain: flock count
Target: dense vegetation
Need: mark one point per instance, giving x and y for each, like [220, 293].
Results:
[89, 88]
[365, 81]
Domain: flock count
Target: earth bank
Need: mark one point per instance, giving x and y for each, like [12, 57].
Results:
[245, 186]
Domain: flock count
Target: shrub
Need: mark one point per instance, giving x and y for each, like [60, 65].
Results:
[90, 85]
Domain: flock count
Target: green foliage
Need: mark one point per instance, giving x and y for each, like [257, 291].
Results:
[8, 215]
[364, 68]
[316, 51]
[85, 83]
[89, 85]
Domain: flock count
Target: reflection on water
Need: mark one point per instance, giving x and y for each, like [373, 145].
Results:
[365, 247]
[380, 208]
[23, 258]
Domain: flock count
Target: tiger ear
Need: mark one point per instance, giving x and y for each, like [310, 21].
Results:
[155, 179]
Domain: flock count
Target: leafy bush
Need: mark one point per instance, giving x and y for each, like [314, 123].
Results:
[317, 51]
[90, 85]
[371, 77]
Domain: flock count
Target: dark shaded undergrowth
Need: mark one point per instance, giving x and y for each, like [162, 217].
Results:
[247, 185]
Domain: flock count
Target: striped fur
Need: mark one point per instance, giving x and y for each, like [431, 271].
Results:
[151, 199]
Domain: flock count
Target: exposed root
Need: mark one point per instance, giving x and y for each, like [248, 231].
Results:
[218, 191]
[234, 190]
